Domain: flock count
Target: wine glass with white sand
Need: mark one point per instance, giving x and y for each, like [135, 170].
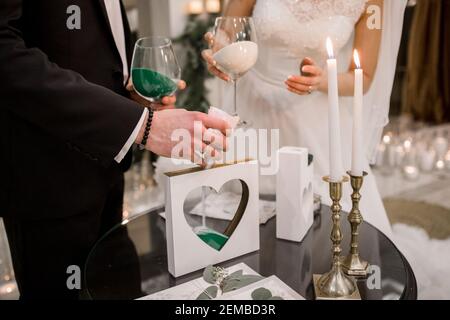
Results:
[235, 49]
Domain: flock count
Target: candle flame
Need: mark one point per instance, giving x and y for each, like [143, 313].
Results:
[407, 144]
[356, 58]
[330, 48]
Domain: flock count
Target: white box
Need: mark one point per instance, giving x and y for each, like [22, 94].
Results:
[295, 196]
[186, 252]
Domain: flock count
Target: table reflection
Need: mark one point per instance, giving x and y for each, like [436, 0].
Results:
[131, 260]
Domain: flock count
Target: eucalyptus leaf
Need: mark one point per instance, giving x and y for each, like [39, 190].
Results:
[250, 277]
[235, 274]
[239, 282]
[208, 275]
[209, 293]
[261, 294]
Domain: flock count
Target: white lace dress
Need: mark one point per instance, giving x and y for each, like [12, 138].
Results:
[288, 31]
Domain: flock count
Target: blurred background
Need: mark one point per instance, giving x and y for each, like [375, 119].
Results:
[413, 165]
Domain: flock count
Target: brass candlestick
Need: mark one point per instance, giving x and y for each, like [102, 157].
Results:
[336, 284]
[352, 264]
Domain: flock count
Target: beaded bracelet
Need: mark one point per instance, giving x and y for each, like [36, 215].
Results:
[148, 126]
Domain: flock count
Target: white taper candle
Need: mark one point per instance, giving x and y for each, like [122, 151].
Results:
[334, 128]
[357, 149]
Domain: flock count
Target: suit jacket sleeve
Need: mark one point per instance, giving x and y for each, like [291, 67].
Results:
[61, 102]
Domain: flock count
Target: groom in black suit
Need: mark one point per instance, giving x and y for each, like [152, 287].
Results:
[66, 125]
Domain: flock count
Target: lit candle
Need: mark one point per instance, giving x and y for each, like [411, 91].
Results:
[440, 165]
[334, 129]
[399, 155]
[441, 146]
[195, 7]
[426, 159]
[213, 6]
[407, 145]
[357, 151]
[411, 172]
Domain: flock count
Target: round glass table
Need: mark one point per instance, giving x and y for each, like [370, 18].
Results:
[130, 261]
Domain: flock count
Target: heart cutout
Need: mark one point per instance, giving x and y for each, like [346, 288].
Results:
[207, 212]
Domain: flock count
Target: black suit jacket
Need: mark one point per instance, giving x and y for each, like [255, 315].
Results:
[64, 112]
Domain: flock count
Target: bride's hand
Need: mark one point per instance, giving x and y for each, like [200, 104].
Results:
[208, 57]
[309, 81]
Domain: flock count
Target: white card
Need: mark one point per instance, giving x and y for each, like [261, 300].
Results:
[192, 289]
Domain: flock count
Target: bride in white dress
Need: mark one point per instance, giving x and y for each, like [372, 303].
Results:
[274, 94]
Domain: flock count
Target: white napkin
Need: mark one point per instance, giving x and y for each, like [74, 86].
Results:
[218, 113]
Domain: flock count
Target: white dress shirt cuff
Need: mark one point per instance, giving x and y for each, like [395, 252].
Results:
[132, 138]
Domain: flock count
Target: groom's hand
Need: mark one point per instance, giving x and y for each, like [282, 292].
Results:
[193, 126]
[208, 57]
[166, 102]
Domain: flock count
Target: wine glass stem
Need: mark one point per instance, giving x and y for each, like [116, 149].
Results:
[203, 208]
[235, 97]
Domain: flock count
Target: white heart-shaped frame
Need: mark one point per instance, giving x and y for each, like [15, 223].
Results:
[185, 251]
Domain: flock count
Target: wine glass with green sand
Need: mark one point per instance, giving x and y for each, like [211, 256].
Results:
[155, 71]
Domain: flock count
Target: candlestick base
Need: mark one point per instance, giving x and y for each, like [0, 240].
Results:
[352, 264]
[335, 284]
[329, 290]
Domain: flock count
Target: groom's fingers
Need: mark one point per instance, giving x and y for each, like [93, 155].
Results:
[181, 85]
[203, 154]
[169, 100]
[196, 152]
[215, 139]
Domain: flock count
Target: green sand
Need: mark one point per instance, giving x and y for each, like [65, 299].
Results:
[213, 239]
[152, 84]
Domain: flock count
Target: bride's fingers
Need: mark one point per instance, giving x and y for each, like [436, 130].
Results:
[308, 61]
[301, 93]
[209, 38]
[297, 88]
[218, 73]
[307, 81]
[301, 88]
[312, 70]
[207, 56]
